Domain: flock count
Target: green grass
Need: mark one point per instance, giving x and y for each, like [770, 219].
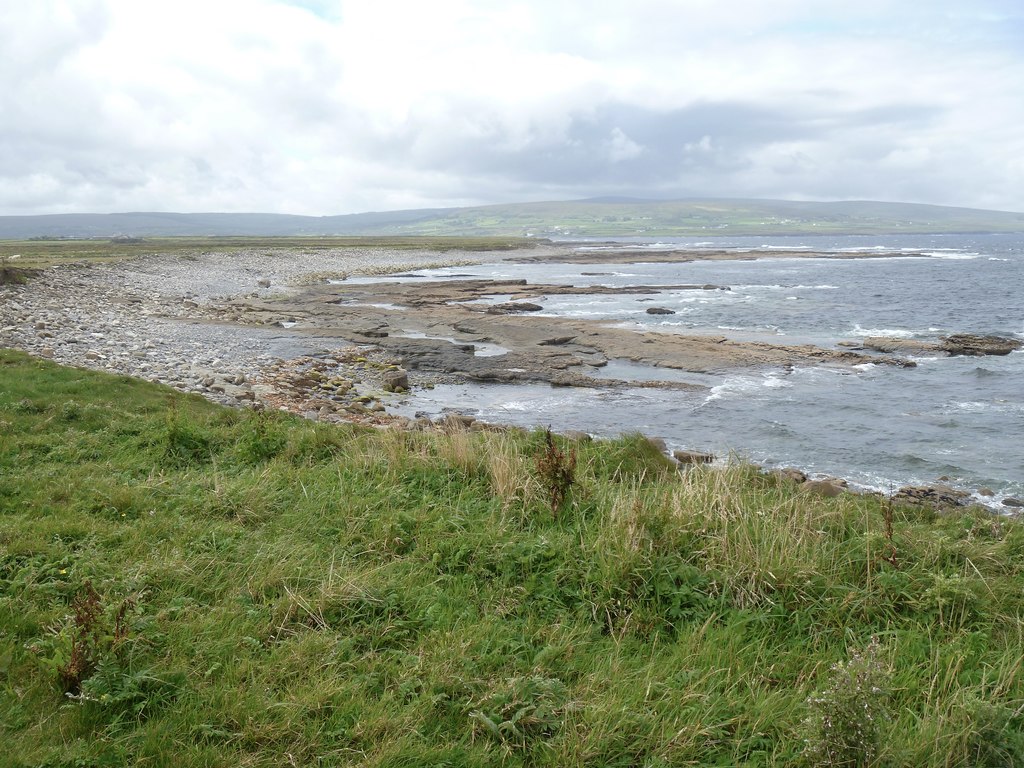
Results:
[257, 590]
[45, 253]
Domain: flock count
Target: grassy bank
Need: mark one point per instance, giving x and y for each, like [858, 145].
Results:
[182, 584]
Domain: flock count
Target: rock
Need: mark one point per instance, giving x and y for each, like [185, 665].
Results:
[556, 341]
[933, 495]
[821, 488]
[263, 283]
[514, 306]
[577, 436]
[977, 345]
[693, 457]
[457, 421]
[1010, 501]
[905, 346]
[47, 352]
[396, 381]
[660, 311]
[40, 326]
[91, 355]
[792, 474]
[986, 492]
[660, 445]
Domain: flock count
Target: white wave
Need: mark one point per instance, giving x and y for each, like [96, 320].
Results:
[951, 255]
[745, 385]
[897, 333]
[972, 407]
[865, 366]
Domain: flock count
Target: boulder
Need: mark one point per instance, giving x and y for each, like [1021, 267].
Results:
[556, 341]
[693, 457]
[1010, 501]
[792, 474]
[395, 381]
[660, 311]
[904, 346]
[977, 345]
[932, 495]
[456, 422]
[514, 306]
[821, 488]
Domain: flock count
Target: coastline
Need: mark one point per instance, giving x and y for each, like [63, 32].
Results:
[264, 328]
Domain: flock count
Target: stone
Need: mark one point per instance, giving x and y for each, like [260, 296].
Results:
[934, 495]
[514, 306]
[693, 457]
[986, 492]
[263, 283]
[577, 436]
[793, 474]
[395, 381]
[556, 341]
[1010, 501]
[660, 311]
[976, 345]
[821, 488]
[457, 421]
[888, 344]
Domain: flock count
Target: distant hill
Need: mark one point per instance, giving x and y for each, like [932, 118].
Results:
[598, 217]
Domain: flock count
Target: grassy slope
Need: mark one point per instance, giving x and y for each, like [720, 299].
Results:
[274, 592]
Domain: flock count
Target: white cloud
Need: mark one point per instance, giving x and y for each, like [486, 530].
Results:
[330, 106]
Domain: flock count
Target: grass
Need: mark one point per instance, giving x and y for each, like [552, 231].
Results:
[183, 584]
[45, 253]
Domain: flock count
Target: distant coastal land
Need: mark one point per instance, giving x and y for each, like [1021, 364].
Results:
[596, 217]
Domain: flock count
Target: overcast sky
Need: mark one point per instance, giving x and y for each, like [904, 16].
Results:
[342, 106]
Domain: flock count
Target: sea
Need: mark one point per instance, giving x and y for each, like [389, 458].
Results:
[958, 420]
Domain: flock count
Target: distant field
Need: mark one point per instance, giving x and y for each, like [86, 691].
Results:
[39, 253]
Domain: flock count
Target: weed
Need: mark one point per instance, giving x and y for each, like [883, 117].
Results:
[87, 637]
[521, 711]
[844, 723]
[262, 438]
[557, 471]
[184, 443]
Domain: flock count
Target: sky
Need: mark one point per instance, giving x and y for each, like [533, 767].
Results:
[327, 107]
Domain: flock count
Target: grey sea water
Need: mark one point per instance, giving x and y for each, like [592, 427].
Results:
[878, 426]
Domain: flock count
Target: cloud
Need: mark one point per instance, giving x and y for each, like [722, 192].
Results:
[331, 106]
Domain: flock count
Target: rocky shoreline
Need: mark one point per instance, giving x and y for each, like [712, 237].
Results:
[266, 328]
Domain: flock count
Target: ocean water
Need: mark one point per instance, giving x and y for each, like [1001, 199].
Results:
[880, 427]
